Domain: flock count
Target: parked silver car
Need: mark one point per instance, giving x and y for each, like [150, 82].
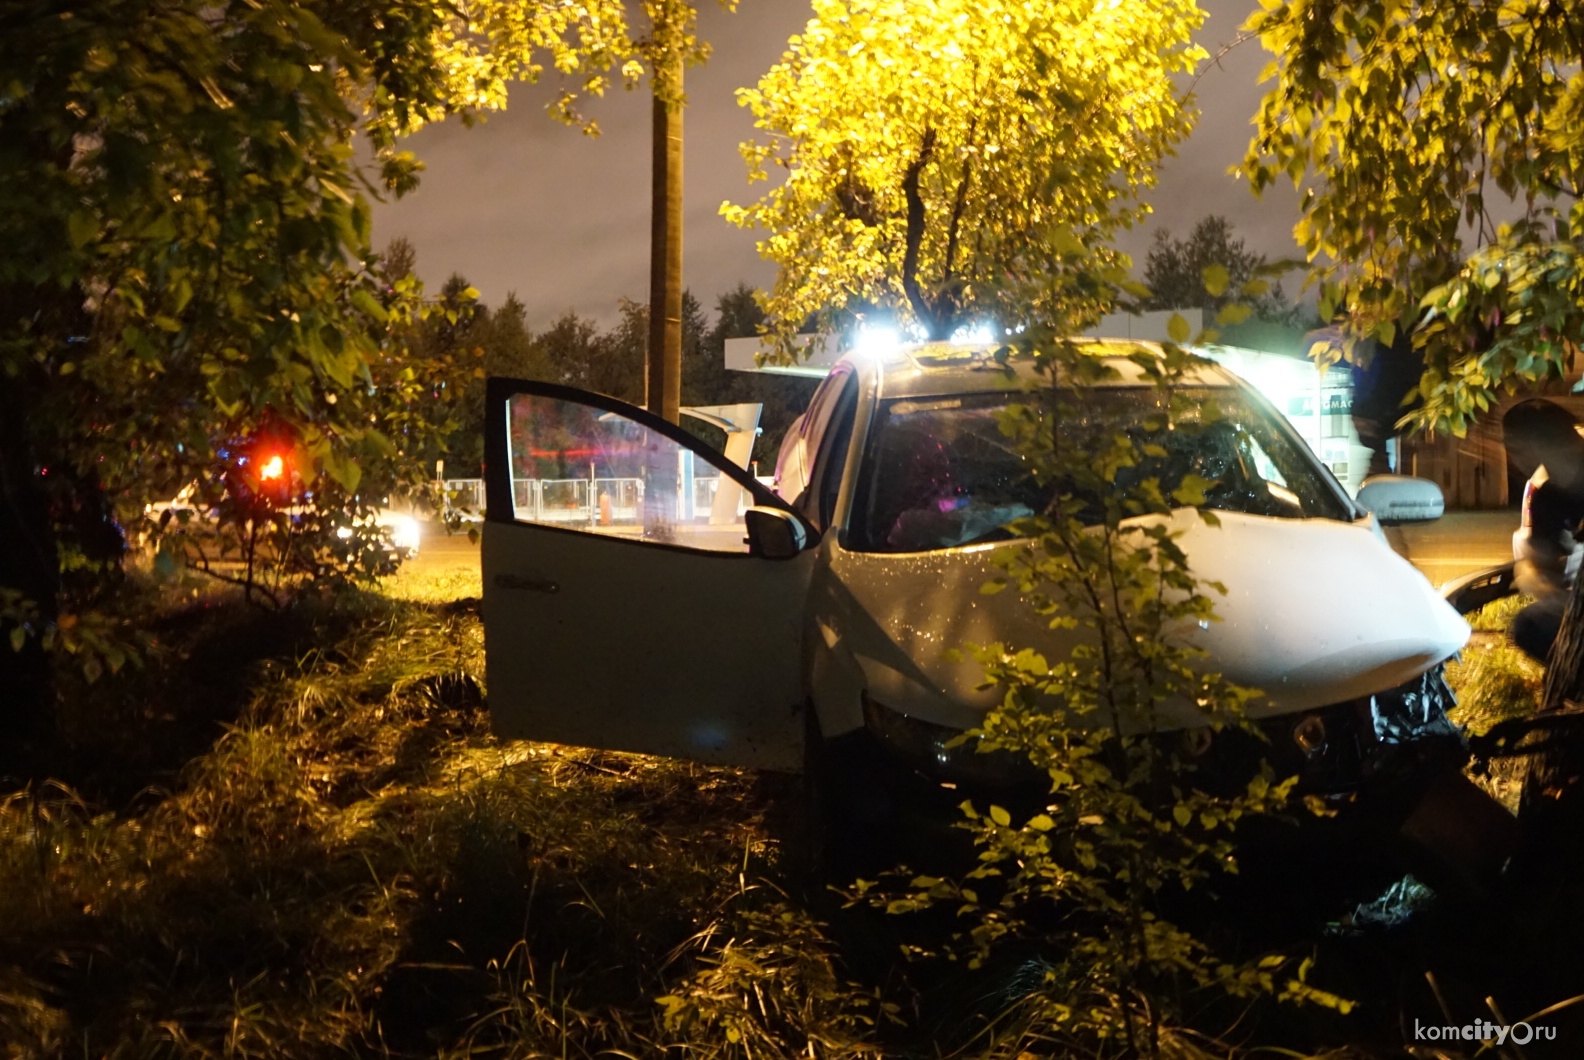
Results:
[643, 594]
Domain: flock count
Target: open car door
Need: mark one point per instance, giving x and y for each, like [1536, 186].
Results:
[623, 606]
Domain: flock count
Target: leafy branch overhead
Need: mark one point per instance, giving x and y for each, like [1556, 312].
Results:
[933, 153]
[1439, 147]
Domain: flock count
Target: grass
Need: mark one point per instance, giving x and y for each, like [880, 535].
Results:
[292, 835]
[1495, 682]
[353, 864]
[435, 586]
[1497, 615]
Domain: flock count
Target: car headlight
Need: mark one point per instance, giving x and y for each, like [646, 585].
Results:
[404, 533]
[1309, 733]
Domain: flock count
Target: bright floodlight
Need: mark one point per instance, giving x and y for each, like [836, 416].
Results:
[876, 342]
[976, 335]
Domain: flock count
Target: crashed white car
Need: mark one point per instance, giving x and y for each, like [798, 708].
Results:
[641, 593]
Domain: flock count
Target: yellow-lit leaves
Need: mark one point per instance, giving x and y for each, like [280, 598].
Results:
[1013, 134]
[1177, 329]
[1235, 313]
[1403, 120]
[367, 303]
[1191, 491]
[1215, 280]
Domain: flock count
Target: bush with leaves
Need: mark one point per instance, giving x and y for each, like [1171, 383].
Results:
[1130, 829]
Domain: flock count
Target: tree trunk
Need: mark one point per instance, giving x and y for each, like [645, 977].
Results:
[1564, 680]
[1553, 795]
[663, 368]
[29, 566]
[930, 316]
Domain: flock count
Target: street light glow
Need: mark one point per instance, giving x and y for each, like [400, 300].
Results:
[876, 341]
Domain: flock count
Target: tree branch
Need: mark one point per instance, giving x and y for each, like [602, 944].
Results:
[959, 205]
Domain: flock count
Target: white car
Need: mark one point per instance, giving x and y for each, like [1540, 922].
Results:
[809, 627]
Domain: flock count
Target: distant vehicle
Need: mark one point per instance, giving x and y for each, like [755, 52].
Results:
[186, 511]
[807, 628]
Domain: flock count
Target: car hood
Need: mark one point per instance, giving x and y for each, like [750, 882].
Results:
[1315, 612]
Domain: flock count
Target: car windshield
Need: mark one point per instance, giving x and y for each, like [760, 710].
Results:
[938, 472]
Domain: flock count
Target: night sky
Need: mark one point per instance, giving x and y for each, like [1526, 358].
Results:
[521, 203]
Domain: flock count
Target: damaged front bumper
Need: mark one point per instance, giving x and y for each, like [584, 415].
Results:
[1388, 769]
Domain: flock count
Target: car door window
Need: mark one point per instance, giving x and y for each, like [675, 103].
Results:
[811, 429]
[830, 460]
[611, 534]
[578, 466]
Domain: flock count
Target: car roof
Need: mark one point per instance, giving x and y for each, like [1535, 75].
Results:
[939, 369]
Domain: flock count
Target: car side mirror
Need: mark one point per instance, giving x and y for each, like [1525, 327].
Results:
[774, 534]
[1401, 499]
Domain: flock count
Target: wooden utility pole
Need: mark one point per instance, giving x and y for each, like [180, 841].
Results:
[663, 363]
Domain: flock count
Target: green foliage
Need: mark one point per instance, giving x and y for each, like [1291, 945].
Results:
[1511, 313]
[96, 641]
[351, 865]
[187, 265]
[1130, 823]
[933, 151]
[485, 45]
[188, 268]
[217, 237]
[1494, 683]
[1407, 126]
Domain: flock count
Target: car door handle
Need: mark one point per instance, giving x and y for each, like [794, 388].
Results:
[519, 581]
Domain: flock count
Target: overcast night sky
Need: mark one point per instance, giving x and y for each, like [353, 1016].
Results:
[521, 203]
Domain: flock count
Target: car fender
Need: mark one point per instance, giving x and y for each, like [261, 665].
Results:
[836, 681]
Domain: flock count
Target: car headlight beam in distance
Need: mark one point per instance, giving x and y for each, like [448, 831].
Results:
[404, 533]
[403, 530]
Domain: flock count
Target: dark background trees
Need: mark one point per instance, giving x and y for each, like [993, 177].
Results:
[1174, 271]
[462, 341]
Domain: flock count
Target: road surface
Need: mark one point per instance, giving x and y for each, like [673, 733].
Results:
[439, 551]
[1457, 543]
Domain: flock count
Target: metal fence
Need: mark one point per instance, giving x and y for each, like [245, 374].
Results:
[573, 501]
[465, 494]
[596, 502]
